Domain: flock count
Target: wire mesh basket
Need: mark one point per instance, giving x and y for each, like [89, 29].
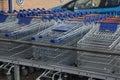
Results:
[64, 34]
[102, 40]
[21, 33]
[99, 40]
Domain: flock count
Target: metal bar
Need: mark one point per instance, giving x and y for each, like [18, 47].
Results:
[115, 53]
[16, 72]
[60, 68]
[10, 5]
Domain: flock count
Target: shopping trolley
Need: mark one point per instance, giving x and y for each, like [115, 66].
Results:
[103, 36]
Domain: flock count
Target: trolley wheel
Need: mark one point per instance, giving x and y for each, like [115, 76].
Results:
[24, 71]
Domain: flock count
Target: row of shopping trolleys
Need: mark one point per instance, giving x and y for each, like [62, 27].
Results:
[65, 33]
[23, 28]
[58, 33]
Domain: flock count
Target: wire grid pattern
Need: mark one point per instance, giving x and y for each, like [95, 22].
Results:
[99, 40]
[68, 38]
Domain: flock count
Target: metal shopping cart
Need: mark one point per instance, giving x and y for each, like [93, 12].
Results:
[103, 36]
[65, 34]
[22, 33]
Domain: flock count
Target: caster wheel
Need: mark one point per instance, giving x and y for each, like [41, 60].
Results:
[24, 71]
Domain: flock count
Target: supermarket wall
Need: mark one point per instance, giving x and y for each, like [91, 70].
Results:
[3, 4]
[32, 4]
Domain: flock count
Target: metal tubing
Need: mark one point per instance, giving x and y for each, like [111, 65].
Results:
[16, 72]
[10, 5]
[61, 47]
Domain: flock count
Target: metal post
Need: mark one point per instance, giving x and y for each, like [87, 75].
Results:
[16, 72]
[11, 5]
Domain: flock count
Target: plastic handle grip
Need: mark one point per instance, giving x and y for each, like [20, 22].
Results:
[8, 35]
[12, 34]
[40, 36]
[32, 38]
[56, 40]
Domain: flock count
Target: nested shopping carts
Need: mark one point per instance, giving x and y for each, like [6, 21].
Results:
[104, 36]
[65, 34]
[62, 29]
[59, 30]
[18, 31]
